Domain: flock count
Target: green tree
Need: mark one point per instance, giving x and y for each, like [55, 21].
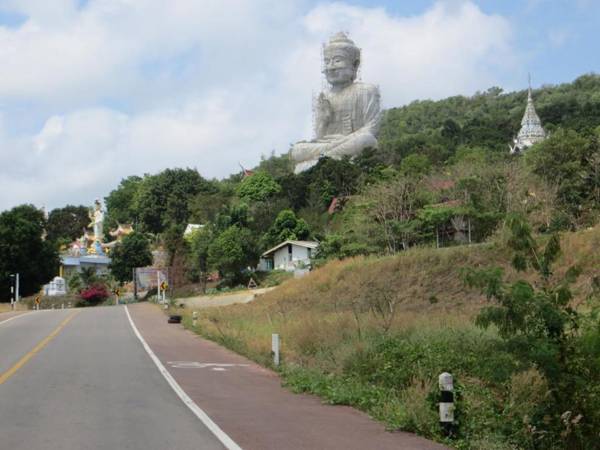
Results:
[415, 165]
[391, 208]
[286, 226]
[23, 250]
[276, 166]
[199, 243]
[331, 178]
[542, 328]
[570, 162]
[232, 251]
[258, 187]
[121, 201]
[66, 224]
[133, 251]
[164, 199]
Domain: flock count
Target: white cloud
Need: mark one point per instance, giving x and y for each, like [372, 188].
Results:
[453, 48]
[121, 87]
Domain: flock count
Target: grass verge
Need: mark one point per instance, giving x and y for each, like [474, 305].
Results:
[375, 333]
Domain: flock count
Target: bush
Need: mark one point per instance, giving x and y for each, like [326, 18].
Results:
[541, 327]
[93, 295]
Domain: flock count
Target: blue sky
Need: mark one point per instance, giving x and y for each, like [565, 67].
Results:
[92, 91]
[558, 38]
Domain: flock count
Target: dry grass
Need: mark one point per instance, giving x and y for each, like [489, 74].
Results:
[5, 307]
[331, 321]
[322, 314]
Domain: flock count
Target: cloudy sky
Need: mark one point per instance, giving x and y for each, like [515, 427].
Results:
[92, 91]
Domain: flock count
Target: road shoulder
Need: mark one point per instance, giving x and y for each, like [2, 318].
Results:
[248, 402]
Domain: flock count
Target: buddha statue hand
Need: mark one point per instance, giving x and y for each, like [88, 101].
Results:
[324, 114]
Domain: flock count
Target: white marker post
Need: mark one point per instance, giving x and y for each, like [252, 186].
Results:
[195, 319]
[17, 293]
[275, 344]
[446, 384]
[12, 291]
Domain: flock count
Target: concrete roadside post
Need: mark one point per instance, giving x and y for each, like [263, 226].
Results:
[12, 291]
[62, 306]
[17, 289]
[446, 385]
[195, 319]
[275, 346]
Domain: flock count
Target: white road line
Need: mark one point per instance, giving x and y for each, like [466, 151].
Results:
[204, 418]
[16, 317]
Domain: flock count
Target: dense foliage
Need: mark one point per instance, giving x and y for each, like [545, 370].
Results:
[24, 250]
[542, 329]
[442, 176]
[67, 224]
[133, 251]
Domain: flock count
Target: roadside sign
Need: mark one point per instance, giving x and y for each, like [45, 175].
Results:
[164, 286]
[37, 300]
[117, 293]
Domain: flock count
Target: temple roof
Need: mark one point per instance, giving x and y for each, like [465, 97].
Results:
[122, 230]
[531, 131]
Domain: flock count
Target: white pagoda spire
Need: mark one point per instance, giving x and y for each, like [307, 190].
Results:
[531, 131]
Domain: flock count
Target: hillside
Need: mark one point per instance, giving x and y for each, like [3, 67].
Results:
[340, 341]
[488, 119]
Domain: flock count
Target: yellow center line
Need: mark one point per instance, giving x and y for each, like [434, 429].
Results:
[10, 372]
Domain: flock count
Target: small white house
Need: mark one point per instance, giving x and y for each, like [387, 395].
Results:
[290, 256]
[191, 227]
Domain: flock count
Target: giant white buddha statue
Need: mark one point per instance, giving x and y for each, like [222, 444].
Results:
[346, 115]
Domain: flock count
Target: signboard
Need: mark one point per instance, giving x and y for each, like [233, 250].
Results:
[37, 300]
[148, 278]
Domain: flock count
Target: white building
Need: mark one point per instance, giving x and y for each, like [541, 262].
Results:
[56, 287]
[290, 256]
[191, 227]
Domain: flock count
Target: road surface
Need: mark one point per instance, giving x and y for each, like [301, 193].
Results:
[92, 386]
[117, 378]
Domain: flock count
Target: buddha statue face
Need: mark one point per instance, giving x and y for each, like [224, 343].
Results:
[341, 59]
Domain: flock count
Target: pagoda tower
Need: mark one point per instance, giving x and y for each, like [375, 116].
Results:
[531, 131]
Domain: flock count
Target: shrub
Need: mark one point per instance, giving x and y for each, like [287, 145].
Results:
[93, 295]
[540, 326]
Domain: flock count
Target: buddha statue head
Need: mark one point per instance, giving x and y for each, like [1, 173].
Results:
[341, 59]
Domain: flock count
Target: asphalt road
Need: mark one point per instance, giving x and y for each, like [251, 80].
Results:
[77, 380]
